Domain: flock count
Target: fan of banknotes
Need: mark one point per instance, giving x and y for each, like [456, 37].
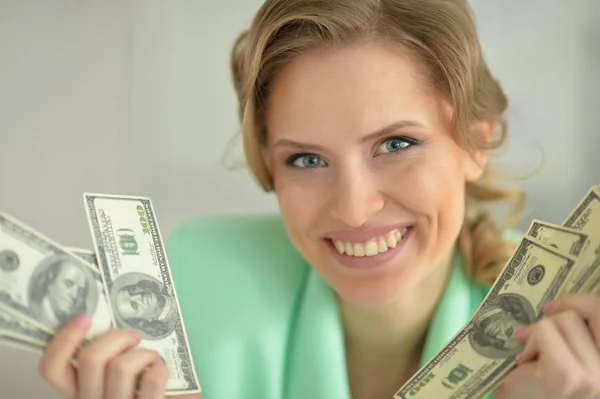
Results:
[550, 260]
[124, 283]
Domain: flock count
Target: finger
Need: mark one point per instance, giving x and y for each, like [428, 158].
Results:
[55, 365]
[518, 382]
[153, 384]
[522, 333]
[92, 360]
[122, 372]
[546, 341]
[530, 352]
[527, 334]
[587, 305]
[578, 338]
[558, 367]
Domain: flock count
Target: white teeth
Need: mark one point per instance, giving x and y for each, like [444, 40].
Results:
[349, 248]
[392, 239]
[359, 249]
[381, 245]
[371, 247]
[339, 246]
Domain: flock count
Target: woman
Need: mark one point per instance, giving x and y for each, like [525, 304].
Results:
[371, 120]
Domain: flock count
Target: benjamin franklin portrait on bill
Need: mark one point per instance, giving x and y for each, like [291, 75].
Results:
[141, 302]
[61, 288]
[493, 331]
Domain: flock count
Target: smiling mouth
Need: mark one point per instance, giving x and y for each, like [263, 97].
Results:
[372, 247]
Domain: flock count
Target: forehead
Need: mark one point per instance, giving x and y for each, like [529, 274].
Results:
[355, 88]
[70, 271]
[65, 267]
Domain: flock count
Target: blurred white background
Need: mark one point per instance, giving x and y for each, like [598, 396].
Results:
[134, 97]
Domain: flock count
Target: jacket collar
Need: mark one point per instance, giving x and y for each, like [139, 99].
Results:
[317, 361]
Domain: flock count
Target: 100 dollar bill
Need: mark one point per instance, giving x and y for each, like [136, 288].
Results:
[17, 343]
[45, 285]
[564, 239]
[483, 351]
[18, 329]
[586, 218]
[18, 333]
[568, 241]
[131, 255]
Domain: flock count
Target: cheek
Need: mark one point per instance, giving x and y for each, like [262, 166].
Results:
[299, 199]
[428, 185]
[432, 188]
[446, 191]
[299, 213]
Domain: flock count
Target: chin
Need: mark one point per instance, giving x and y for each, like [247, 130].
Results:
[375, 291]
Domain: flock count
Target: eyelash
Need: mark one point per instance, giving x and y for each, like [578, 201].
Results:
[410, 141]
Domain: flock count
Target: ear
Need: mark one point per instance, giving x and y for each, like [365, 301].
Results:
[477, 158]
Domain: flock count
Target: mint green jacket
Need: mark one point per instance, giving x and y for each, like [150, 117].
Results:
[262, 324]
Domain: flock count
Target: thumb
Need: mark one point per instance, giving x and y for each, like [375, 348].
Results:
[515, 384]
[531, 350]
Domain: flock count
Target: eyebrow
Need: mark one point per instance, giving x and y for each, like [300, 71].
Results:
[377, 134]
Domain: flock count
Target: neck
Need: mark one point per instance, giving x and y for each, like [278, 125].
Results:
[384, 344]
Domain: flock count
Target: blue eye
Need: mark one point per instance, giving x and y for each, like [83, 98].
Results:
[305, 161]
[395, 144]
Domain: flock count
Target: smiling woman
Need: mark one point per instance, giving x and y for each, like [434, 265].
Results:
[371, 121]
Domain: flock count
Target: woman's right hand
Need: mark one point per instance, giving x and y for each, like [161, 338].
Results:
[108, 367]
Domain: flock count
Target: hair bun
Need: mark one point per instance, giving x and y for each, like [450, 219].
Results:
[485, 251]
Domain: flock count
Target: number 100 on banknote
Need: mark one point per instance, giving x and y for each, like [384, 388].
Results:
[138, 282]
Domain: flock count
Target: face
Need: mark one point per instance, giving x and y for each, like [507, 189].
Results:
[502, 327]
[369, 180]
[67, 289]
[133, 303]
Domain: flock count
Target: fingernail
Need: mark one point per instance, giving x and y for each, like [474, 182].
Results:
[83, 320]
[136, 335]
[519, 358]
[549, 308]
[520, 331]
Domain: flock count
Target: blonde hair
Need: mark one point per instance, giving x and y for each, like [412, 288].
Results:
[440, 33]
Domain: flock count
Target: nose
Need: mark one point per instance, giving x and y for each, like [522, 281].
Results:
[356, 197]
[71, 292]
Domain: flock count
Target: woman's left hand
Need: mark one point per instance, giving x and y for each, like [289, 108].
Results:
[561, 357]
